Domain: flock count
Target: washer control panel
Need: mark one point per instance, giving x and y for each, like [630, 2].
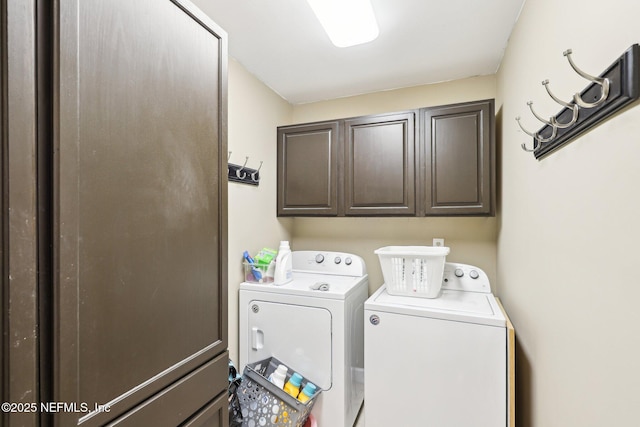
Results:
[337, 263]
[464, 277]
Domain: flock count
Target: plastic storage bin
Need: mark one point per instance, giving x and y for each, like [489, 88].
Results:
[262, 270]
[415, 271]
[264, 404]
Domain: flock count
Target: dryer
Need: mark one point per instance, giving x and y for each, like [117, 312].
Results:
[439, 361]
[315, 325]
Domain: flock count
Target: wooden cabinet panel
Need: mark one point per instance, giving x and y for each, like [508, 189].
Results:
[459, 158]
[215, 414]
[380, 165]
[140, 202]
[173, 405]
[308, 169]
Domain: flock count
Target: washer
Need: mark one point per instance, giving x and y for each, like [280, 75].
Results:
[438, 362]
[314, 324]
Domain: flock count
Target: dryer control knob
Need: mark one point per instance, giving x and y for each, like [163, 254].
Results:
[459, 272]
[319, 258]
[474, 274]
[348, 260]
[338, 260]
[374, 319]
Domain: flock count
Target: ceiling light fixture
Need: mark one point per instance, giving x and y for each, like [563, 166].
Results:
[347, 22]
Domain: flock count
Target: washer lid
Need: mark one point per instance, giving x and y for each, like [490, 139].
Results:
[470, 307]
[312, 285]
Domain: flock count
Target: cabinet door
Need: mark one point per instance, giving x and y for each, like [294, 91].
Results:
[140, 205]
[459, 158]
[380, 165]
[308, 169]
[175, 405]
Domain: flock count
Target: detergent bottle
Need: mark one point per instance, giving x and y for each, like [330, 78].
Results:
[307, 391]
[284, 265]
[278, 376]
[293, 385]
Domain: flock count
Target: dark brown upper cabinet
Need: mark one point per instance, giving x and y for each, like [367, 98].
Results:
[458, 143]
[436, 161]
[308, 169]
[379, 169]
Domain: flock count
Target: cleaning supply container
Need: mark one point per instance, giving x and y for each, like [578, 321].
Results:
[264, 404]
[306, 393]
[292, 387]
[279, 376]
[284, 265]
[415, 271]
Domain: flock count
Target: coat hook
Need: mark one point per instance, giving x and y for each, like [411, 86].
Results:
[546, 122]
[246, 159]
[255, 174]
[524, 147]
[574, 107]
[229, 156]
[535, 136]
[604, 83]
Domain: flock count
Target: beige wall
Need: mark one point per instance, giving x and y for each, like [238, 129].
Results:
[470, 89]
[254, 112]
[568, 232]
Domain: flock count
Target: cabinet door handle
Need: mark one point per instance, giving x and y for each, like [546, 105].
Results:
[257, 339]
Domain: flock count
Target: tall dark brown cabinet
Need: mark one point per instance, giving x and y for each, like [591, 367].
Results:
[114, 213]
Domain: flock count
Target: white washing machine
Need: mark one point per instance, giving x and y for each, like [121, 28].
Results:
[441, 362]
[315, 325]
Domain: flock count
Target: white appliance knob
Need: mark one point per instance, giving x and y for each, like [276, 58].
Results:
[338, 260]
[319, 258]
[474, 274]
[348, 260]
[459, 272]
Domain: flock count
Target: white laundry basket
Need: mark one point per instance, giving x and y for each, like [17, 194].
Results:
[415, 271]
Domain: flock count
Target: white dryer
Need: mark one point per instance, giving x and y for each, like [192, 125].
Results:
[438, 362]
[315, 325]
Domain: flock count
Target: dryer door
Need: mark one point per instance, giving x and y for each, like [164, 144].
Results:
[298, 336]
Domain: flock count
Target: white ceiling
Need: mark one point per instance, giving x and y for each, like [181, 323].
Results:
[420, 42]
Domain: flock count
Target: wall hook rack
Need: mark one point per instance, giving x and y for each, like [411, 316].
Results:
[243, 174]
[616, 87]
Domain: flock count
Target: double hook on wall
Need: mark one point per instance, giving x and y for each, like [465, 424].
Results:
[614, 88]
[578, 103]
[243, 174]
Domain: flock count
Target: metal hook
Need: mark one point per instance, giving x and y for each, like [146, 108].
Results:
[255, 174]
[574, 107]
[536, 136]
[229, 156]
[524, 147]
[246, 159]
[545, 83]
[546, 122]
[603, 82]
